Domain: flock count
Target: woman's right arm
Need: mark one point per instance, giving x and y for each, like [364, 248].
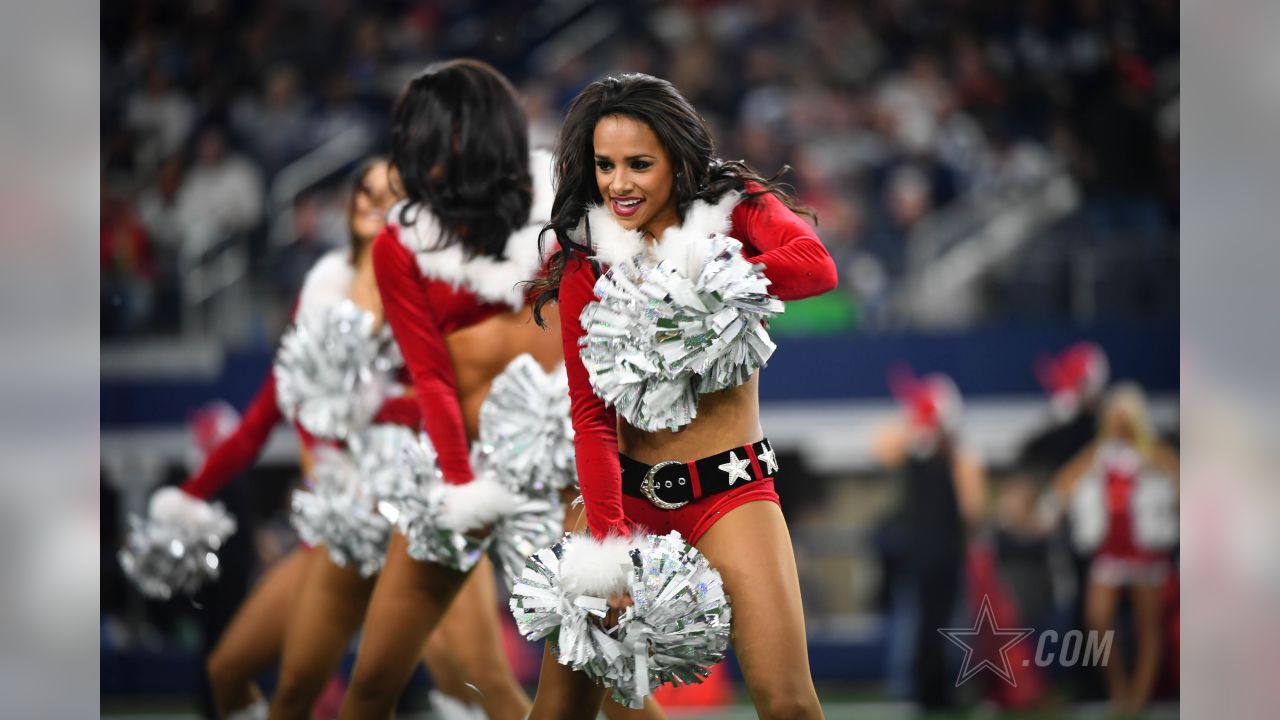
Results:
[233, 455]
[595, 428]
[409, 313]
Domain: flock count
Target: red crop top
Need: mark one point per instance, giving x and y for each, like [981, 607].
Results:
[797, 265]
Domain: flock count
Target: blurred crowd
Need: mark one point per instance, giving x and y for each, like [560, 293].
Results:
[888, 112]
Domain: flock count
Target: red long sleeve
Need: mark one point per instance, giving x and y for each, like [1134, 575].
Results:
[795, 261]
[238, 452]
[417, 330]
[595, 427]
[402, 410]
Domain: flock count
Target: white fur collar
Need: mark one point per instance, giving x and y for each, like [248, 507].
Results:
[490, 279]
[328, 283]
[684, 245]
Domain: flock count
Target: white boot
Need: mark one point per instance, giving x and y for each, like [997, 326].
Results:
[450, 708]
[256, 711]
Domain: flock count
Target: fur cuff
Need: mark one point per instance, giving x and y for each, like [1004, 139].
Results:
[173, 506]
[599, 568]
[475, 504]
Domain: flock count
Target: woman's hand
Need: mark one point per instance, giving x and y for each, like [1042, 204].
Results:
[617, 605]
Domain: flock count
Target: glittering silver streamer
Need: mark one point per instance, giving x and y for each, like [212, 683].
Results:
[535, 522]
[332, 371]
[338, 512]
[676, 630]
[525, 428]
[379, 451]
[656, 339]
[171, 556]
[416, 508]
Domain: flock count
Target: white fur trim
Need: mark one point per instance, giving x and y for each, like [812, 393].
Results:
[684, 245]
[328, 283]
[597, 568]
[257, 711]
[172, 506]
[613, 244]
[491, 279]
[475, 504]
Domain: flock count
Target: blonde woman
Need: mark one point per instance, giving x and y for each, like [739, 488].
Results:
[1122, 491]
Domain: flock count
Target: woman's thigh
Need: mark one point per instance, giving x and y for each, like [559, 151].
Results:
[330, 607]
[255, 637]
[408, 602]
[751, 549]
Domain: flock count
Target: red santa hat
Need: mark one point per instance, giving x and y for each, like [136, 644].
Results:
[1076, 375]
[932, 402]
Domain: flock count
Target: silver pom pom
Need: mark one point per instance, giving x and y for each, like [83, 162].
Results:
[534, 521]
[380, 452]
[417, 509]
[174, 551]
[339, 513]
[333, 372]
[656, 338]
[676, 630]
[525, 429]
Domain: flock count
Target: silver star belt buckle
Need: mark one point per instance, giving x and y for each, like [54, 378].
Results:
[647, 487]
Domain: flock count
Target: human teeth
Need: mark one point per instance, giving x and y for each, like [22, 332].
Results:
[629, 203]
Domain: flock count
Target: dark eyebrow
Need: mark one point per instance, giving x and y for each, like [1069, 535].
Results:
[633, 157]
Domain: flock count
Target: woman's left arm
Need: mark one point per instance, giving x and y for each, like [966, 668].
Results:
[795, 261]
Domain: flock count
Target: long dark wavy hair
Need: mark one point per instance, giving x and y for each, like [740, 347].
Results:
[460, 142]
[699, 175]
[354, 243]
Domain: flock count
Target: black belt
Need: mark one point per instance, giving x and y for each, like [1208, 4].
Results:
[673, 484]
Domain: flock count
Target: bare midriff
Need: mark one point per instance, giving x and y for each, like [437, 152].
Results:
[482, 351]
[726, 419]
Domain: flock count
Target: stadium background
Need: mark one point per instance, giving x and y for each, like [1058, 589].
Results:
[996, 180]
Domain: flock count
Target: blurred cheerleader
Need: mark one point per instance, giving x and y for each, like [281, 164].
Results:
[637, 180]
[1122, 492]
[942, 504]
[454, 254]
[306, 596]
[255, 637]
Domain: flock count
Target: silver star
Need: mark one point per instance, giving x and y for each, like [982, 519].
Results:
[736, 469]
[770, 459]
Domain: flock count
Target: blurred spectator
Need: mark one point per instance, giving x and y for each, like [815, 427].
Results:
[127, 269]
[222, 193]
[898, 109]
[942, 502]
[160, 116]
[313, 237]
[276, 122]
[158, 207]
[1074, 380]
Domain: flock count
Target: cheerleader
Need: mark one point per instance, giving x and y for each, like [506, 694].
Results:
[636, 175]
[254, 638]
[454, 253]
[1122, 491]
[306, 596]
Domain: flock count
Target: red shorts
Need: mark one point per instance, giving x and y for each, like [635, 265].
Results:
[695, 519]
